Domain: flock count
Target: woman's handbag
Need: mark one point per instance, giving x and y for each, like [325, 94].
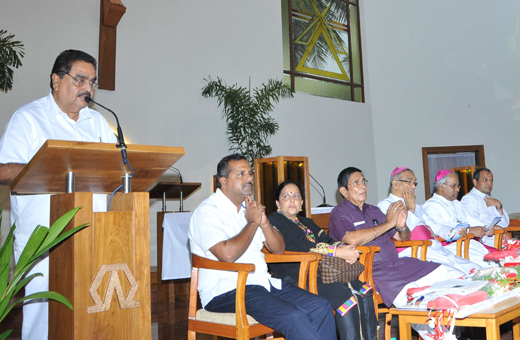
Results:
[336, 269]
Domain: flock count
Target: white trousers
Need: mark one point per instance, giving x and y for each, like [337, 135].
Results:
[456, 266]
[489, 241]
[476, 253]
[35, 325]
[440, 274]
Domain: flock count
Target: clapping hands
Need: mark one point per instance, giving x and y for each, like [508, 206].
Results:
[255, 212]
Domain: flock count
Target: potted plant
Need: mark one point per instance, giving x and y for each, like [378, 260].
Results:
[11, 52]
[249, 124]
[42, 239]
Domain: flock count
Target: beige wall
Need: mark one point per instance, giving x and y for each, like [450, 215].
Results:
[437, 74]
[164, 50]
[443, 73]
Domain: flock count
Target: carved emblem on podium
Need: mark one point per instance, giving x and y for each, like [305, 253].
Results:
[113, 285]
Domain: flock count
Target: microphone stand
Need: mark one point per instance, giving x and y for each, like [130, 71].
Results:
[120, 137]
[324, 198]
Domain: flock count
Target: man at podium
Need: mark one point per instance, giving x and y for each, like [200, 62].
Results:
[63, 115]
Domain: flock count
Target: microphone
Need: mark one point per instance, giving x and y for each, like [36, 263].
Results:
[120, 137]
[181, 207]
[324, 199]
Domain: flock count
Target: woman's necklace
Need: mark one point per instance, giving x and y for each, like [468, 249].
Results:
[308, 233]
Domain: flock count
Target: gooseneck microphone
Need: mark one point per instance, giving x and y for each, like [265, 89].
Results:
[120, 137]
[324, 199]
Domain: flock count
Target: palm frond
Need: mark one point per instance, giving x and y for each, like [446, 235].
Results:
[249, 124]
[11, 52]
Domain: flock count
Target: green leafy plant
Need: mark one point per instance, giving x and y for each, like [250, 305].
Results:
[42, 239]
[249, 124]
[11, 52]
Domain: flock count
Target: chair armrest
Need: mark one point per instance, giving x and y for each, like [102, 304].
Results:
[414, 244]
[308, 266]
[373, 249]
[514, 225]
[461, 243]
[290, 256]
[202, 262]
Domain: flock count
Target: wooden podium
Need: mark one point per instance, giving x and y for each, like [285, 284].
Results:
[104, 269]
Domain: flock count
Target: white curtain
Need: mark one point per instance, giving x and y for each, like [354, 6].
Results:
[438, 162]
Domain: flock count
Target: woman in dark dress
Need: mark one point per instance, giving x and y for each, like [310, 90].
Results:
[353, 302]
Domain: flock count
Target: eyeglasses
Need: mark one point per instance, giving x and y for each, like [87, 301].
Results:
[82, 82]
[358, 182]
[409, 181]
[453, 186]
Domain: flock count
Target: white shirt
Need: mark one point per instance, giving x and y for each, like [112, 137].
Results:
[29, 128]
[412, 219]
[475, 206]
[215, 220]
[445, 255]
[443, 215]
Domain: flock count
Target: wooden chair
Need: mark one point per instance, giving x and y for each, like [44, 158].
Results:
[514, 225]
[380, 307]
[239, 325]
[462, 244]
[415, 245]
[308, 266]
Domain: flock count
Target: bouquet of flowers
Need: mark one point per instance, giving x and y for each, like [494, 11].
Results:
[501, 280]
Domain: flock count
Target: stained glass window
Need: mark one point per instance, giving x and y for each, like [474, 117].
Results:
[322, 48]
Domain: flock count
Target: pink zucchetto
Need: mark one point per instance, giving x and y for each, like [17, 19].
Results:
[441, 174]
[397, 170]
